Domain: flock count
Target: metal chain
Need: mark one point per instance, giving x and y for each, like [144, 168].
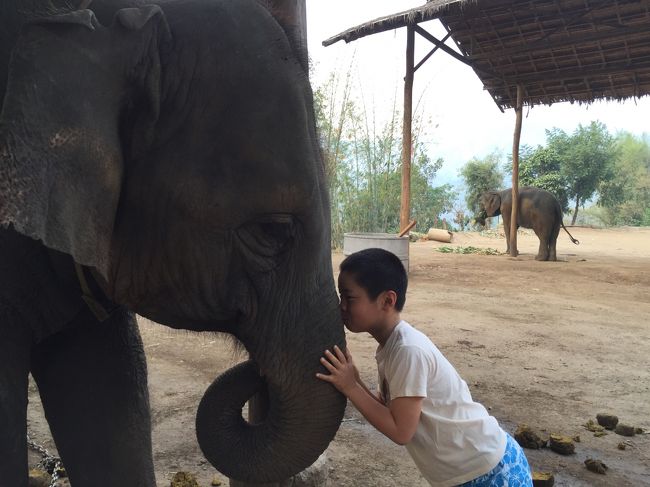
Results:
[49, 462]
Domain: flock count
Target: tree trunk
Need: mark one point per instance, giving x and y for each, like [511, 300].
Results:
[575, 212]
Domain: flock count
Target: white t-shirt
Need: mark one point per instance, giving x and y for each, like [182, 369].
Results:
[456, 439]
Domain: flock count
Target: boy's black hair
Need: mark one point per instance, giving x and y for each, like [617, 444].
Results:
[376, 271]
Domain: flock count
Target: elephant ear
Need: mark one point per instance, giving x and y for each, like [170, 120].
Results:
[78, 95]
[292, 17]
[492, 203]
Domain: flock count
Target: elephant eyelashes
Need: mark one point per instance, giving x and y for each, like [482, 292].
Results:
[265, 240]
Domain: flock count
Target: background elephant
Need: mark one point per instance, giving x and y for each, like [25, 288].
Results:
[538, 209]
[160, 160]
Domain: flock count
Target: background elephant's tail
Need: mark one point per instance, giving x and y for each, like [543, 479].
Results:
[574, 240]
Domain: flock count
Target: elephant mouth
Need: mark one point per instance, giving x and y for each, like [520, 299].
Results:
[227, 323]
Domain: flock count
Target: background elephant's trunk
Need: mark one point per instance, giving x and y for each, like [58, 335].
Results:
[297, 429]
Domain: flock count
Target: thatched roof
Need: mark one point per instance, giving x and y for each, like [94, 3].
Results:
[413, 16]
[559, 50]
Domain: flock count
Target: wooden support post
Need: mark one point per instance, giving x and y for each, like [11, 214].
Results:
[515, 173]
[407, 139]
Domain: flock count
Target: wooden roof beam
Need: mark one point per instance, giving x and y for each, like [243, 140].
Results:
[430, 53]
[574, 40]
[569, 74]
[451, 52]
[533, 95]
[575, 18]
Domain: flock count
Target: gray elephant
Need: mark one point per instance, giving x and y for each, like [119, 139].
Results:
[538, 209]
[162, 160]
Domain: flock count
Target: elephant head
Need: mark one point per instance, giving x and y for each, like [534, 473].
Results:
[491, 202]
[173, 151]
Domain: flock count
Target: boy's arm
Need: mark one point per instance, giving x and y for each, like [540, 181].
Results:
[398, 422]
[377, 397]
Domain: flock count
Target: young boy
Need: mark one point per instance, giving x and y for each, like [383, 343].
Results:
[423, 402]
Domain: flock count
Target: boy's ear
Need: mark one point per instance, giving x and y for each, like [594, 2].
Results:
[389, 299]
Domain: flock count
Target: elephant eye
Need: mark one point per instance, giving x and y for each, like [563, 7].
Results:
[266, 240]
[279, 228]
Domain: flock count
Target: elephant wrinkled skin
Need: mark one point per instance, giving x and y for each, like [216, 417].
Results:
[538, 209]
[171, 151]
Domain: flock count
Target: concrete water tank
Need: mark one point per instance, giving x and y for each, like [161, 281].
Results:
[353, 242]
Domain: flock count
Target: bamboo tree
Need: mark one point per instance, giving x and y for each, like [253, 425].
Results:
[365, 181]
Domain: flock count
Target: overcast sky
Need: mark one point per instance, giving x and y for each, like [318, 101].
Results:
[468, 122]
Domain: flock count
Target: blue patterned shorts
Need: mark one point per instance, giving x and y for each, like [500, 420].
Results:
[512, 470]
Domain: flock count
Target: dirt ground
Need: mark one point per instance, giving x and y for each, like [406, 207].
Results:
[549, 344]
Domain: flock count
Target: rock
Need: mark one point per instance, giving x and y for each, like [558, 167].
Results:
[598, 434]
[561, 444]
[621, 446]
[216, 482]
[592, 426]
[184, 479]
[39, 478]
[624, 430]
[639, 431]
[527, 438]
[596, 466]
[608, 421]
[543, 479]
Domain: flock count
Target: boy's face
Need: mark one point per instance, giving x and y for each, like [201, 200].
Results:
[358, 311]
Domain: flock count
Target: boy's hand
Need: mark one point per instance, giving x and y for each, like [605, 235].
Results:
[343, 374]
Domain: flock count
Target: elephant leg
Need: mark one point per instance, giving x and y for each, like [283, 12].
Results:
[14, 380]
[506, 231]
[92, 379]
[552, 243]
[542, 253]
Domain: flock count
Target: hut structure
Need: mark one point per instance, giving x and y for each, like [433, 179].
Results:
[527, 52]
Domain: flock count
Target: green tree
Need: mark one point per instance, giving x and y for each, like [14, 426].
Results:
[542, 168]
[586, 157]
[363, 164]
[333, 108]
[428, 202]
[481, 175]
[626, 196]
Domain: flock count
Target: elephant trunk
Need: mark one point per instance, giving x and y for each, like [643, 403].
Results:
[290, 438]
[302, 417]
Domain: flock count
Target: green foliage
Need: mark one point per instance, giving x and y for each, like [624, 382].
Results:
[541, 167]
[481, 175]
[363, 165]
[572, 167]
[626, 195]
[587, 157]
[468, 250]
